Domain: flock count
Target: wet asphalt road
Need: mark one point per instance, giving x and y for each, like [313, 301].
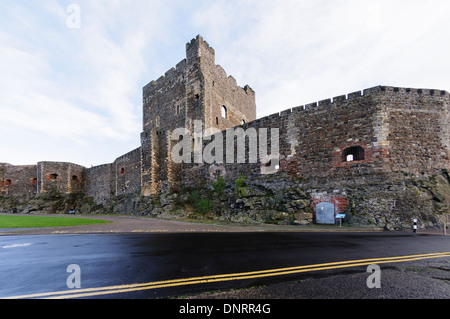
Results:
[38, 263]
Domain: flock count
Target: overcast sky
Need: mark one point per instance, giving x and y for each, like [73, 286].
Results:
[71, 89]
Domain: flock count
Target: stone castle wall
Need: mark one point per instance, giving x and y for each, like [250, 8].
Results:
[127, 171]
[399, 130]
[64, 177]
[100, 182]
[18, 180]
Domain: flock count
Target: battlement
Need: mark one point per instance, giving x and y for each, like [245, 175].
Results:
[198, 47]
[230, 80]
[370, 92]
[99, 167]
[424, 92]
[132, 153]
[169, 78]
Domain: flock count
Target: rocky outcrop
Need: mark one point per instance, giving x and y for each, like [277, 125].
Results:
[395, 205]
[391, 206]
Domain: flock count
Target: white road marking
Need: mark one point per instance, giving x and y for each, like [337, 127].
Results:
[17, 245]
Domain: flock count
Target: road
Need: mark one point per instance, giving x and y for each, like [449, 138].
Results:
[180, 264]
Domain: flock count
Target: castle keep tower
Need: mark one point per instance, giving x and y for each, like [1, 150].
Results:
[196, 89]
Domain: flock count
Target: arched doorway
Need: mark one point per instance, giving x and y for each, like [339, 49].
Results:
[325, 213]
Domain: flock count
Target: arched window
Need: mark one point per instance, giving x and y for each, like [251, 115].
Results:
[8, 182]
[354, 153]
[75, 178]
[224, 111]
[122, 171]
[54, 176]
[33, 181]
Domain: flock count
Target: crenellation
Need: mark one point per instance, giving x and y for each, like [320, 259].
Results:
[232, 81]
[130, 154]
[354, 95]
[372, 91]
[339, 99]
[326, 102]
[311, 105]
[285, 113]
[99, 167]
[298, 109]
[198, 48]
[181, 66]
[248, 90]
[170, 73]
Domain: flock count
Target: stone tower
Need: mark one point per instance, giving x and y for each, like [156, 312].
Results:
[196, 89]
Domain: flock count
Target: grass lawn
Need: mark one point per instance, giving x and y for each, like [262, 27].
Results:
[11, 221]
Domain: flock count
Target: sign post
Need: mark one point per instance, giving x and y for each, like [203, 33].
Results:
[446, 220]
[340, 217]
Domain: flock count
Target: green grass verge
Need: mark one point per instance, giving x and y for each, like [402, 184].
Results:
[12, 221]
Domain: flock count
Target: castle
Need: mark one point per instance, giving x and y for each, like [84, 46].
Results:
[372, 153]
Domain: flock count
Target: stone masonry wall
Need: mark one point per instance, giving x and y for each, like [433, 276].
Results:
[18, 180]
[127, 171]
[418, 129]
[311, 140]
[314, 137]
[100, 183]
[63, 177]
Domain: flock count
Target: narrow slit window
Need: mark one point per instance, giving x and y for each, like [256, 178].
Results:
[224, 111]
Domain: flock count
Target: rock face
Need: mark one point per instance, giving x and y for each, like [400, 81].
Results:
[391, 207]
[394, 206]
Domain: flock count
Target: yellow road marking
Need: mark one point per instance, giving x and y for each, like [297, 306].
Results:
[87, 292]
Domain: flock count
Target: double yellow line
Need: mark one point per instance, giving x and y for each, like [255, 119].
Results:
[89, 292]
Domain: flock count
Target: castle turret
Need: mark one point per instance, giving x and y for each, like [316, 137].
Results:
[197, 47]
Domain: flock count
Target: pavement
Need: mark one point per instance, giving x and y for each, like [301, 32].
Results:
[143, 225]
[137, 224]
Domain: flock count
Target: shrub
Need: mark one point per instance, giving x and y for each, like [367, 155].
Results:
[240, 186]
[219, 185]
[203, 206]
[194, 198]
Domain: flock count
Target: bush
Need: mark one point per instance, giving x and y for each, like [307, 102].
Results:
[219, 185]
[201, 205]
[240, 187]
[194, 198]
